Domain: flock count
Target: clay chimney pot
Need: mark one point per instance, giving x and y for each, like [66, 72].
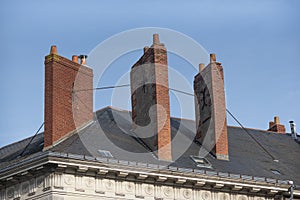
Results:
[53, 50]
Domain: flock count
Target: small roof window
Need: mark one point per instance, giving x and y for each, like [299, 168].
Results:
[274, 171]
[105, 153]
[201, 162]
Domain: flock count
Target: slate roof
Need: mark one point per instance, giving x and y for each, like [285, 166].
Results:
[111, 131]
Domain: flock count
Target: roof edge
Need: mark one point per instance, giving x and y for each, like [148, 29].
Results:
[69, 135]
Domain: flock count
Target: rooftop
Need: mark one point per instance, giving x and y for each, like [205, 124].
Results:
[109, 138]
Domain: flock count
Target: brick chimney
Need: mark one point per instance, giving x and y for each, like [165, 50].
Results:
[67, 103]
[275, 126]
[150, 99]
[210, 109]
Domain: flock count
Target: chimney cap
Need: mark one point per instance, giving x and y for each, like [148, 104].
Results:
[201, 67]
[53, 49]
[156, 38]
[291, 122]
[276, 120]
[75, 58]
[212, 57]
[83, 59]
[82, 56]
[156, 42]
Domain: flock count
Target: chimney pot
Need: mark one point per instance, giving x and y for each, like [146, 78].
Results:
[83, 59]
[53, 49]
[201, 67]
[213, 58]
[276, 120]
[156, 39]
[75, 58]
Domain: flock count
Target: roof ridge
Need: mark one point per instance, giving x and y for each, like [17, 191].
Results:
[178, 118]
[256, 129]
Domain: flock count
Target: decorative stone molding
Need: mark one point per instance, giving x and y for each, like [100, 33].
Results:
[113, 183]
[109, 184]
[187, 193]
[40, 181]
[167, 191]
[205, 195]
[74, 186]
[242, 197]
[148, 189]
[89, 182]
[223, 196]
[57, 180]
[10, 192]
[69, 180]
[259, 198]
[25, 188]
[129, 187]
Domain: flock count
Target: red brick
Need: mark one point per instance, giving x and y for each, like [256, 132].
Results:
[211, 109]
[60, 99]
[275, 126]
[150, 90]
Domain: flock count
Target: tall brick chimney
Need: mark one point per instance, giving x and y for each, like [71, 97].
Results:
[210, 109]
[150, 99]
[67, 102]
[276, 126]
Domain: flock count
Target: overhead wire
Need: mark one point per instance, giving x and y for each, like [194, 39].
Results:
[103, 88]
[21, 154]
[190, 94]
[127, 85]
[227, 110]
[240, 124]
[175, 90]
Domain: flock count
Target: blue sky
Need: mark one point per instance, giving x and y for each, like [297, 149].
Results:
[257, 42]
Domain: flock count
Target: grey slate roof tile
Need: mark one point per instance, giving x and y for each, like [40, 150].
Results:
[111, 131]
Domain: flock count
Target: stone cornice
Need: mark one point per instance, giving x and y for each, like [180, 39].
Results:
[145, 172]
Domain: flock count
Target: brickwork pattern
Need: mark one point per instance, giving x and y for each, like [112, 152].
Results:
[279, 128]
[150, 100]
[65, 109]
[211, 110]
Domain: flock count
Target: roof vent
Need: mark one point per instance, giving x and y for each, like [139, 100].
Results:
[201, 162]
[294, 133]
[293, 128]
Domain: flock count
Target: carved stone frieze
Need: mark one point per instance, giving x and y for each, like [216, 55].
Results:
[101, 187]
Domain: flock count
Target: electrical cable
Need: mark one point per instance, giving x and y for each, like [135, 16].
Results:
[189, 94]
[241, 125]
[186, 93]
[103, 88]
[31, 139]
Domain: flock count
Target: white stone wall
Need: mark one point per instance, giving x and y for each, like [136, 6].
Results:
[58, 186]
